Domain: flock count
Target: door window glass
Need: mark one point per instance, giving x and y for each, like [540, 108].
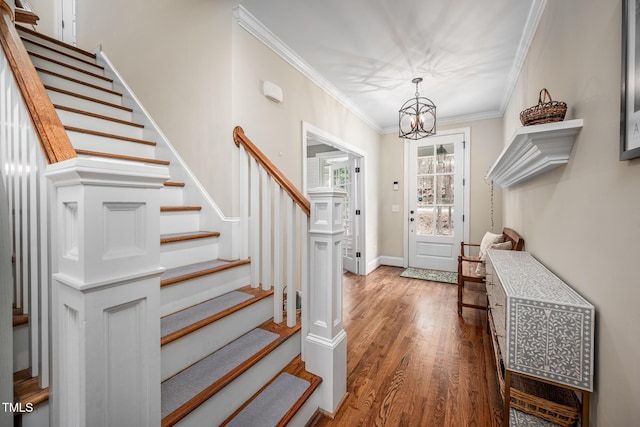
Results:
[435, 187]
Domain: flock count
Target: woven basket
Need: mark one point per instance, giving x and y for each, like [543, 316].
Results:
[547, 111]
[549, 402]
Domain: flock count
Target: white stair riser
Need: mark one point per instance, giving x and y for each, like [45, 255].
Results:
[81, 89]
[308, 409]
[187, 350]
[20, 347]
[190, 292]
[69, 72]
[224, 403]
[62, 58]
[179, 222]
[38, 418]
[85, 141]
[177, 254]
[90, 106]
[55, 46]
[69, 118]
[171, 196]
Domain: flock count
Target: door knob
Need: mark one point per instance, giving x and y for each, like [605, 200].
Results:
[411, 219]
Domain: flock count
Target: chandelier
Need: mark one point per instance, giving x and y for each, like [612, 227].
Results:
[417, 116]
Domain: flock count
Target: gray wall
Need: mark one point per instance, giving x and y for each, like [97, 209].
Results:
[583, 220]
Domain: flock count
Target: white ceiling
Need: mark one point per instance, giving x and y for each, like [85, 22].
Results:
[365, 52]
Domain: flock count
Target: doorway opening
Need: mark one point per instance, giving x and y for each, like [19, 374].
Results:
[436, 201]
[330, 162]
[66, 26]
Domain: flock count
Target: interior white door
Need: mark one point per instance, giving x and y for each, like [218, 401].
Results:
[436, 196]
[342, 177]
[68, 21]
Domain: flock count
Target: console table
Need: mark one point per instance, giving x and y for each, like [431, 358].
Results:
[543, 329]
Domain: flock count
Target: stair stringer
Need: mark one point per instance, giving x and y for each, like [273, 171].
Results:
[211, 217]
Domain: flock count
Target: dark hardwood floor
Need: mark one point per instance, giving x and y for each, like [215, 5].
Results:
[411, 360]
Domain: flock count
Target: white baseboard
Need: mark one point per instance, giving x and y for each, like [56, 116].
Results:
[372, 265]
[393, 261]
[384, 260]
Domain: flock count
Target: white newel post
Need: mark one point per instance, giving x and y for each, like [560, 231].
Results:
[105, 293]
[326, 342]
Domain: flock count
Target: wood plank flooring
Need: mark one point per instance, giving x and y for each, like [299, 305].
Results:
[411, 360]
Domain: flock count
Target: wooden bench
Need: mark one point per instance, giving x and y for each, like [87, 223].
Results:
[467, 266]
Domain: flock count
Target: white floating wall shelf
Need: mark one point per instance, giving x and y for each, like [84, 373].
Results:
[534, 150]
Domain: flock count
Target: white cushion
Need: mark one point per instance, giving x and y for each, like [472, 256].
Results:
[488, 240]
[481, 268]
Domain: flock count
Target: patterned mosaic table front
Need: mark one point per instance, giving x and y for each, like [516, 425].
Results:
[549, 326]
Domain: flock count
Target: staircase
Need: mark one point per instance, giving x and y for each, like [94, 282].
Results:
[224, 360]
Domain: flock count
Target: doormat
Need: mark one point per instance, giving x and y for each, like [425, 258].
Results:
[431, 275]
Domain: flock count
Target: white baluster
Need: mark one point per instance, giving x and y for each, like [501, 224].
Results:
[15, 174]
[45, 272]
[4, 130]
[34, 262]
[244, 203]
[278, 264]
[265, 261]
[291, 262]
[255, 225]
[304, 278]
[24, 203]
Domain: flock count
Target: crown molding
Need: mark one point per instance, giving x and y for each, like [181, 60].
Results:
[530, 28]
[257, 29]
[456, 120]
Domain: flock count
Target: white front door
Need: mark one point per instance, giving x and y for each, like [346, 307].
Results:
[436, 171]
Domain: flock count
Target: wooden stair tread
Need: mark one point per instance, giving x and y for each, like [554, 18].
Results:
[109, 135]
[19, 318]
[121, 157]
[88, 98]
[55, 41]
[173, 184]
[180, 237]
[283, 332]
[97, 116]
[26, 389]
[59, 52]
[296, 368]
[180, 208]
[181, 274]
[71, 67]
[258, 295]
[62, 76]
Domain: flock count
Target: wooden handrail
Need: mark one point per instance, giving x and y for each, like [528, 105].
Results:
[53, 138]
[25, 16]
[240, 138]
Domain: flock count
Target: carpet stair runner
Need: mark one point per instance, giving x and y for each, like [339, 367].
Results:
[278, 401]
[191, 387]
[218, 345]
[183, 322]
